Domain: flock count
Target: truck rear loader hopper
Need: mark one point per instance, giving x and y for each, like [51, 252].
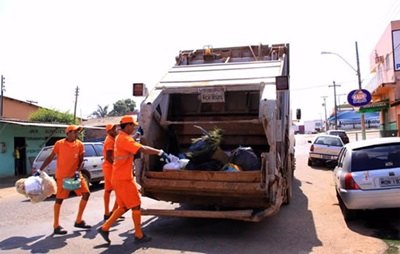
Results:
[244, 91]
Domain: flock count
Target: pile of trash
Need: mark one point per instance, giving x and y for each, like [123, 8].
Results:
[205, 154]
[37, 188]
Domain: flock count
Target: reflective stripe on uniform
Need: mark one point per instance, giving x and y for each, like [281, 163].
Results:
[123, 157]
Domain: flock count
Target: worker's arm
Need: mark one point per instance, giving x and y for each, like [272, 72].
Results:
[153, 151]
[110, 156]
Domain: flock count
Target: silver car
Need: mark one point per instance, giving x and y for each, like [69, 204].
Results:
[367, 175]
[93, 160]
[324, 149]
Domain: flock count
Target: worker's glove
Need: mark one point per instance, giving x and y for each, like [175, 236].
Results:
[164, 156]
[76, 176]
[140, 131]
[37, 172]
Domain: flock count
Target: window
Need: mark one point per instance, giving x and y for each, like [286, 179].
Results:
[89, 151]
[376, 157]
[99, 149]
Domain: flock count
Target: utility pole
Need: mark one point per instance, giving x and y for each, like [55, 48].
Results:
[339, 95]
[76, 100]
[334, 96]
[2, 88]
[359, 82]
[326, 119]
[362, 119]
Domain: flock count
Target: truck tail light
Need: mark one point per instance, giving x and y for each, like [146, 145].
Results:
[349, 183]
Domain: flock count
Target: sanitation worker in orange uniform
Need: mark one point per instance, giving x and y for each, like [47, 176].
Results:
[70, 152]
[108, 155]
[122, 178]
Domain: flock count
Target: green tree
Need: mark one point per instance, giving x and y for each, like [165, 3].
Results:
[52, 116]
[100, 112]
[122, 107]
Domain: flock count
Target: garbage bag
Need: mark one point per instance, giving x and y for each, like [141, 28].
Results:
[245, 158]
[37, 188]
[33, 185]
[210, 165]
[204, 147]
[49, 184]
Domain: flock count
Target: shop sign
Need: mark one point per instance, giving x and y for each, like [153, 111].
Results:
[374, 107]
[359, 97]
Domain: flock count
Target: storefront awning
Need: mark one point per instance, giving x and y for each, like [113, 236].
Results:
[375, 107]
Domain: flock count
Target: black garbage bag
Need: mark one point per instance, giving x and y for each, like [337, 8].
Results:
[245, 158]
[204, 147]
[210, 165]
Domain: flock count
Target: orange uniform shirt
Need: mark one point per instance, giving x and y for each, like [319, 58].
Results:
[107, 166]
[67, 157]
[108, 146]
[124, 150]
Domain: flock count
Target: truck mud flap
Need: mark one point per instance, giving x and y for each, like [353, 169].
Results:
[243, 215]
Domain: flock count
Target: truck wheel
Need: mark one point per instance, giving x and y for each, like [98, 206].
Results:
[289, 182]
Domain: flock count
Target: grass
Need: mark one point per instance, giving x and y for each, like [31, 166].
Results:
[393, 246]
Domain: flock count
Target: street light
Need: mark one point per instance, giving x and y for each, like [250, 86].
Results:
[359, 82]
[326, 119]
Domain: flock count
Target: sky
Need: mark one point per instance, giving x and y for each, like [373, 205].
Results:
[50, 47]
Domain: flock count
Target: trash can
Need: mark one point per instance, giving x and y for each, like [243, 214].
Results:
[388, 133]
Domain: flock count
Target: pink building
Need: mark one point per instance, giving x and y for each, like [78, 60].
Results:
[385, 82]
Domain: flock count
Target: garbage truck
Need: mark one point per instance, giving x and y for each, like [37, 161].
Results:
[240, 94]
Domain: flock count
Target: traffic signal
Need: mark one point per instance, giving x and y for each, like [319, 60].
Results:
[298, 114]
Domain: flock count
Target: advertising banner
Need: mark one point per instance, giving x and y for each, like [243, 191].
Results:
[396, 49]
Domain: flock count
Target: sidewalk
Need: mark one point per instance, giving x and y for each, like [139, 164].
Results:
[9, 181]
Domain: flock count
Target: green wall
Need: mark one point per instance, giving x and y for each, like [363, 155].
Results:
[35, 138]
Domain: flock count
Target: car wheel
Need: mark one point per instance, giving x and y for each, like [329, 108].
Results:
[348, 214]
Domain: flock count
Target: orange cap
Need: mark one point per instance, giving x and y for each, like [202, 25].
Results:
[128, 119]
[72, 128]
[109, 126]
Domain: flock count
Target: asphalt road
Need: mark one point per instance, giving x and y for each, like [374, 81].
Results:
[312, 223]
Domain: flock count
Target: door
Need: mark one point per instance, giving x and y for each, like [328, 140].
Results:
[19, 156]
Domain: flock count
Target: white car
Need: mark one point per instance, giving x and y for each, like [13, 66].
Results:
[93, 161]
[367, 175]
[324, 149]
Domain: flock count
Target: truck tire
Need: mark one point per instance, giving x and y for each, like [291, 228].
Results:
[289, 182]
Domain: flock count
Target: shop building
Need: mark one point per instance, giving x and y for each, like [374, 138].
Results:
[384, 83]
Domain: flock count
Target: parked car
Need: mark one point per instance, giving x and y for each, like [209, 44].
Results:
[324, 149]
[93, 160]
[367, 175]
[341, 133]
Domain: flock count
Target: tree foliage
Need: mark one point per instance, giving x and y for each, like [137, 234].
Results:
[52, 116]
[100, 112]
[122, 107]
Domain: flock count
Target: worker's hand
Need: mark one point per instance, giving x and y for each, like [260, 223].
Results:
[140, 131]
[37, 172]
[164, 156]
[76, 176]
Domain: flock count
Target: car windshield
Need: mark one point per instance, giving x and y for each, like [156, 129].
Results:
[329, 141]
[376, 157]
[44, 154]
